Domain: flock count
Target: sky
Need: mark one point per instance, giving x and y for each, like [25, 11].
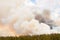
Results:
[52, 5]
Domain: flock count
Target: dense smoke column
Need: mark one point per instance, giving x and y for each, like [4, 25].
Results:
[45, 18]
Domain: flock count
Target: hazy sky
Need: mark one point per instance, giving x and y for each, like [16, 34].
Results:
[52, 5]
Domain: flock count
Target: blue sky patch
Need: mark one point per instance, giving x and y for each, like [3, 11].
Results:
[33, 1]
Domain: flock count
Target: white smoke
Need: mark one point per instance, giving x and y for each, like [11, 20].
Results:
[26, 24]
[6, 31]
[33, 27]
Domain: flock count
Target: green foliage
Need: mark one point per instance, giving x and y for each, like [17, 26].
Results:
[35, 37]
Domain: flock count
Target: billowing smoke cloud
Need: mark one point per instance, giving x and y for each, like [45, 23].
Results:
[25, 24]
